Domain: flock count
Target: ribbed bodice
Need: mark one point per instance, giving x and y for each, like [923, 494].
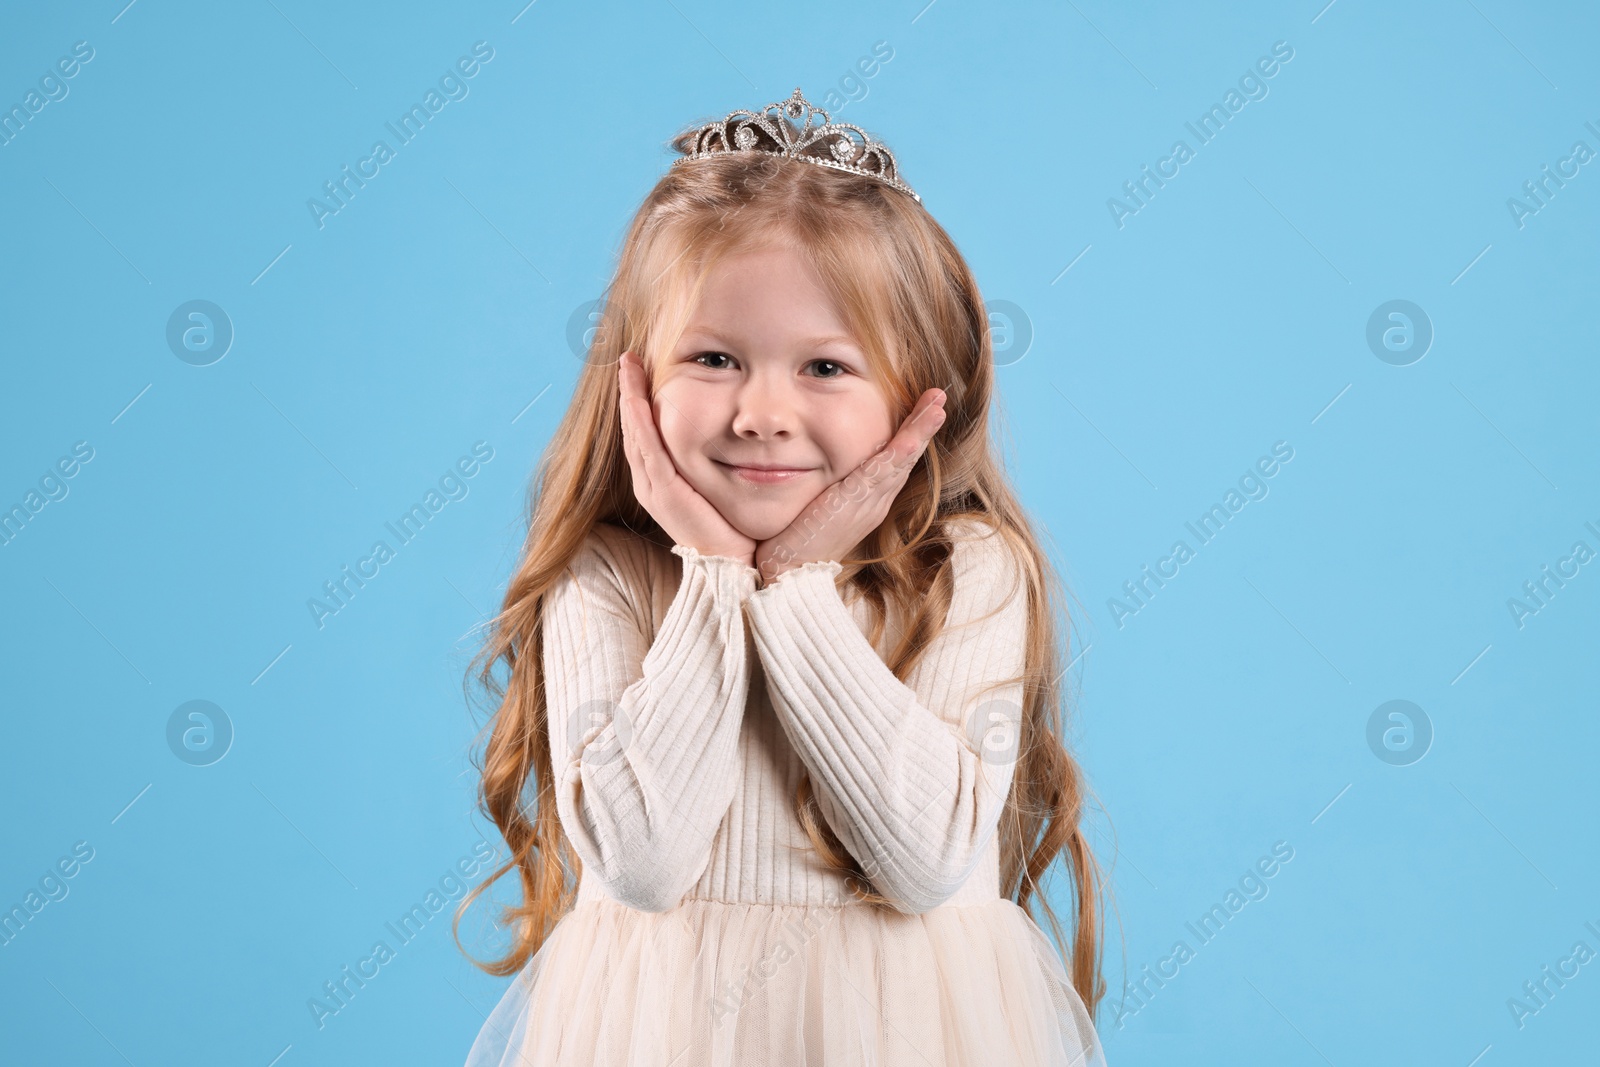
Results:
[685, 704]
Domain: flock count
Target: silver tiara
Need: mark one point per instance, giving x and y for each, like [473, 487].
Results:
[843, 146]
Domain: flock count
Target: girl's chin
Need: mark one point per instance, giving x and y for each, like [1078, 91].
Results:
[758, 523]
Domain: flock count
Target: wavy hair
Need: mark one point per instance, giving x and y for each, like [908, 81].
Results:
[909, 298]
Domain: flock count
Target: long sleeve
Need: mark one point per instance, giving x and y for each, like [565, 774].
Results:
[911, 777]
[644, 735]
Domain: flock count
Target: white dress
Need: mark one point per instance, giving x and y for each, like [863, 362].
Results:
[684, 704]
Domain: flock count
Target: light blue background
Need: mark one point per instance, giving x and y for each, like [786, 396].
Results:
[1228, 314]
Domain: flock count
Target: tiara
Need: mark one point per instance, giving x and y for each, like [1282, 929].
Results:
[841, 145]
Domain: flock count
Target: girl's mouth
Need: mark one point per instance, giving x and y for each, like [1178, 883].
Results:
[758, 476]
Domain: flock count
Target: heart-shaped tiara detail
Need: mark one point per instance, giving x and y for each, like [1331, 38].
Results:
[837, 145]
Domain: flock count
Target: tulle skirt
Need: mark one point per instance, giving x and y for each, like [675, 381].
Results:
[724, 984]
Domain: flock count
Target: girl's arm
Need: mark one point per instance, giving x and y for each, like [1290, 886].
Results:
[912, 778]
[644, 736]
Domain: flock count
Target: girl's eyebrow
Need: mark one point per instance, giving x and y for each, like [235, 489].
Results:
[709, 334]
[703, 333]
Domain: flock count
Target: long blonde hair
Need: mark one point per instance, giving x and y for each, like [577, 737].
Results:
[907, 295]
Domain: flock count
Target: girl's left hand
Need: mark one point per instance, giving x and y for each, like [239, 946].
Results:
[843, 514]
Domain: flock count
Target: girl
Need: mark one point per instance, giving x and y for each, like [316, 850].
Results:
[782, 671]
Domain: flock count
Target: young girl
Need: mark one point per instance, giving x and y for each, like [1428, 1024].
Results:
[782, 688]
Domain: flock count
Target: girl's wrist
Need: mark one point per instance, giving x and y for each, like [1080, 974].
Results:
[769, 572]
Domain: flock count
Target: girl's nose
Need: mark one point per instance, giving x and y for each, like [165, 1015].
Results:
[764, 408]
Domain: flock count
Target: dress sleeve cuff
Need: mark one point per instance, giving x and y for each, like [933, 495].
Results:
[726, 573]
[816, 574]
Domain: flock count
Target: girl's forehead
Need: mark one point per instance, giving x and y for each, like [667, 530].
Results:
[734, 323]
[705, 294]
[778, 269]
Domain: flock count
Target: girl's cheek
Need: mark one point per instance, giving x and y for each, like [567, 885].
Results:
[669, 417]
[674, 436]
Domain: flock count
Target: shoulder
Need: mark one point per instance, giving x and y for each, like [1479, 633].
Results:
[979, 545]
[613, 574]
[987, 564]
[616, 556]
[611, 540]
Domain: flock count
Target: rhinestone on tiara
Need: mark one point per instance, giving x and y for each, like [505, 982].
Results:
[848, 148]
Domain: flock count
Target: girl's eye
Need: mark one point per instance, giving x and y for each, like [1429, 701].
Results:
[839, 368]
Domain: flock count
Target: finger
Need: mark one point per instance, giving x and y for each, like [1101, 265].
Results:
[929, 412]
[883, 473]
[657, 466]
[639, 451]
[928, 408]
[909, 442]
[887, 470]
[626, 393]
[624, 390]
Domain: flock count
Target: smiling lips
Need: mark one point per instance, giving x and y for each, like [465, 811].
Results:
[764, 475]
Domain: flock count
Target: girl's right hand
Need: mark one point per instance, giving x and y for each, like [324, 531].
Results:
[686, 516]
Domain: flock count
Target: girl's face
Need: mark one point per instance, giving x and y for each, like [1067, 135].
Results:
[765, 376]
